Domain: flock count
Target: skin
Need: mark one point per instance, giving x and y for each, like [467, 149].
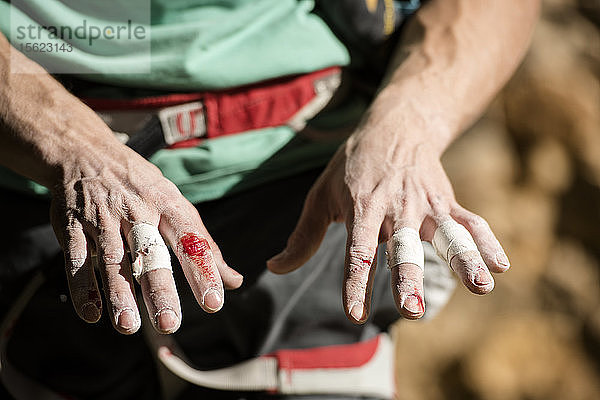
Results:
[386, 176]
[99, 189]
[454, 57]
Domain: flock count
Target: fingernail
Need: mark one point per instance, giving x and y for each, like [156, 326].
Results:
[357, 311]
[90, 312]
[167, 320]
[482, 278]
[502, 259]
[414, 304]
[212, 300]
[126, 319]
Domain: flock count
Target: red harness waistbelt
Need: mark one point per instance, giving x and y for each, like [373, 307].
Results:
[185, 118]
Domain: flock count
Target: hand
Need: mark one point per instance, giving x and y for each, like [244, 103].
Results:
[106, 190]
[377, 183]
[102, 191]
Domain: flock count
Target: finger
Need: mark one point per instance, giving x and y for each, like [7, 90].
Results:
[198, 260]
[197, 253]
[455, 245]
[200, 257]
[306, 237]
[151, 266]
[161, 299]
[407, 288]
[359, 269]
[83, 287]
[230, 277]
[489, 247]
[406, 261]
[116, 275]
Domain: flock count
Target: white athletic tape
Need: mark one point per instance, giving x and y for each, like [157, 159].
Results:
[451, 239]
[405, 247]
[148, 250]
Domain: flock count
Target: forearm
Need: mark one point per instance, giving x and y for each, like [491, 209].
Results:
[453, 58]
[43, 128]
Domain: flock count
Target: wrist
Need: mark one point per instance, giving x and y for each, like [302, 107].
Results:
[409, 118]
[39, 139]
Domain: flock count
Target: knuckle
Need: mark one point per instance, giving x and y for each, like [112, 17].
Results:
[74, 263]
[363, 202]
[360, 258]
[467, 259]
[477, 222]
[112, 256]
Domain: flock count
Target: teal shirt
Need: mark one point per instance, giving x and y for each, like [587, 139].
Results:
[201, 45]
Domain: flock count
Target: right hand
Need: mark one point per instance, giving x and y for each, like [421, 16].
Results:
[104, 192]
[100, 189]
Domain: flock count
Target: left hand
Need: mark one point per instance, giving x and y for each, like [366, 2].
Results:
[378, 182]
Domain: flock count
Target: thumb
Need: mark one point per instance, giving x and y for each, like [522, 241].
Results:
[306, 237]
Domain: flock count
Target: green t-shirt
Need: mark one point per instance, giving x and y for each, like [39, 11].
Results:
[201, 45]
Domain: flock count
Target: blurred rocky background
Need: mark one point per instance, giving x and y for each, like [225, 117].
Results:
[531, 167]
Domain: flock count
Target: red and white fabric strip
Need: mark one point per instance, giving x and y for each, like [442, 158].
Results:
[186, 118]
[360, 369]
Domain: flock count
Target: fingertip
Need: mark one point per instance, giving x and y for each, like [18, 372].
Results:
[212, 301]
[281, 263]
[357, 311]
[90, 313]
[127, 321]
[167, 321]
[230, 277]
[481, 282]
[502, 262]
[234, 282]
[407, 288]
[413, 307]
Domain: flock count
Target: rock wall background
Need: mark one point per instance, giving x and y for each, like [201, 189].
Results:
[531, 167]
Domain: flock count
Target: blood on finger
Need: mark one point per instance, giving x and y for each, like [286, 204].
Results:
[419, 300]
[198, 250]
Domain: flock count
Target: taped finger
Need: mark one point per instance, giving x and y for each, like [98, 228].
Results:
[490, 248]
[451, 239]
[454, 244]
[151, 267]
[148, 250]
[405, 247]
[406, 260]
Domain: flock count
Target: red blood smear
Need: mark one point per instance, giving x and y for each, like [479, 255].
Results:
[364, 262]
[421, 307]
[198, 250]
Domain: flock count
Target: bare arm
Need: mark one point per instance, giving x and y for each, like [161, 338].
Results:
[101, 191]
[454, 57]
